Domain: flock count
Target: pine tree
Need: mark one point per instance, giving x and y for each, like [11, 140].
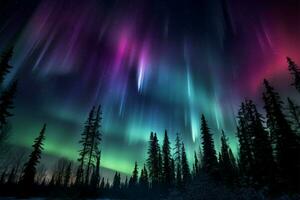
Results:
[166, 162]
[85, 137]
[6, 105]
[134, 178]
[96, 172]
[177, 159]
[153, 160]
[102, 184]
[29, 171]
[186, 175]
[116, 181]
[246, 160]
[89, 154]
[227, 168]
[4, 64]
[210, 162]
[262, 148]
[173, 176]
[295, 71]
[294, 115]
[287, 145]
[144, 182]
[68, 173]
[196, 164]
[107, 185]
[93, 144]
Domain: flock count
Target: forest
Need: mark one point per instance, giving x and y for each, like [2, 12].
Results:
[267, 165]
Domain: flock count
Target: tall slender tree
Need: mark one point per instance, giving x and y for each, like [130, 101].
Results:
[93, 144]
[153, 160]
[117, 181]
[134, 178]
[6, 105]
[85, 137]
[295, 71]
[186, 175]
[5, 67]
[294, 115]
[67, 175]
[144, 182]
[227, 168]
[177, 160]
[166, 161]
[210, 163]
[29, 170]
[287, 145]
[196, 164]
[246, 160]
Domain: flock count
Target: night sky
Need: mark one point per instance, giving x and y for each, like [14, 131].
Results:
[152, 65]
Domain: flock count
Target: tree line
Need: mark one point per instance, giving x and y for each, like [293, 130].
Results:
[268, 157]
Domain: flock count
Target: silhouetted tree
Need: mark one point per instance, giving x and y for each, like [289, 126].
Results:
[196, 164]
[173, 176]
[93, 143]
[85, 137]
[177, 159]
[210, 163]
[295, 71]
[4, 64]
[186, 175]
[6, 105]
[227, 168]
[287, 146]
[90, 153]
[134, 178]
[67, 174]
[29, 171]
[246, 160]
[166, 161]
[96, 172]
[153, 160]
[294, 115]
[144, 182]
[116, 181]
[102, 184]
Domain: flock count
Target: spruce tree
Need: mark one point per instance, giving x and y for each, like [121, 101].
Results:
[294, 115]
[295, 71]
[262, 148]
[246, 160]
[227, 169]
[102, 184]
[134, 178]
[177, 160]
[116, 181]
[5, 67]
[29, 170]
[96, 172]
[93, 144]
[166, 161]
[153, 160]
[67, 176]
[210, 162]
[186, 175]
[287, 145]
[85, 137]
[6, 105]
[196, 164]
[90, 152]
[144, 182]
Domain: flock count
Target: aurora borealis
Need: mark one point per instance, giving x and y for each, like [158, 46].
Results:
[151, 64]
